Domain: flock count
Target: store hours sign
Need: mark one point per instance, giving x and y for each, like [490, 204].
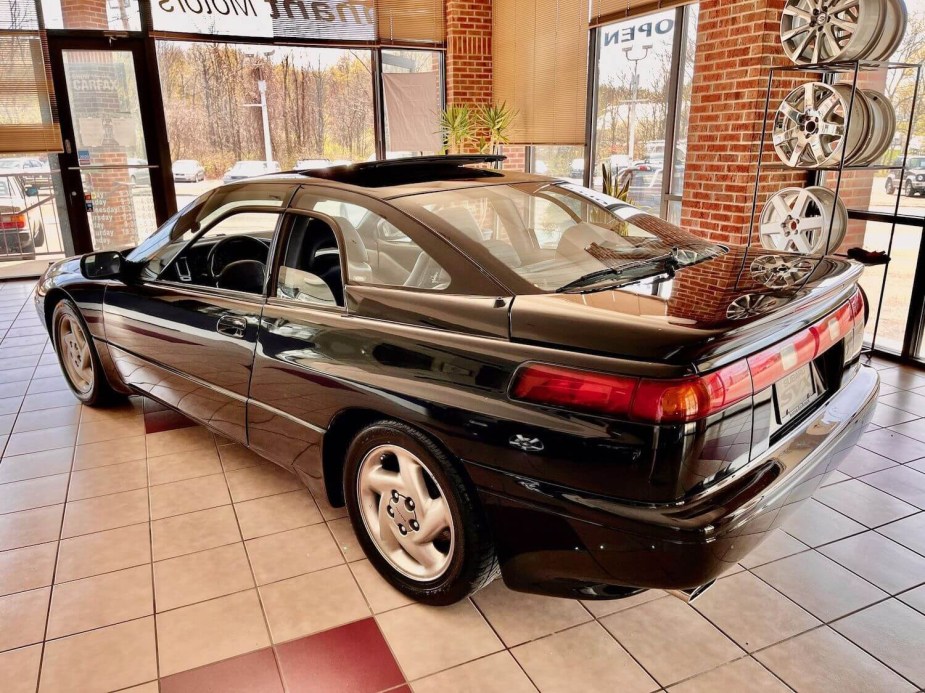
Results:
[297, 19]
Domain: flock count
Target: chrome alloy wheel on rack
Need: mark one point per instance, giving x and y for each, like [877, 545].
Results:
[779, 272]
[825, 31]
[891, 34]
[865, 112]
[799, 219]
[811, 126]
[883, 127]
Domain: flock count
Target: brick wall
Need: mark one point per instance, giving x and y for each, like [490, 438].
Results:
[84, 14]
[468, 51]
[737, 43]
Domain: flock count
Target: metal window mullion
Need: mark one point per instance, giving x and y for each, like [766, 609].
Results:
[378, 104]
[674, 99]
[591, 121]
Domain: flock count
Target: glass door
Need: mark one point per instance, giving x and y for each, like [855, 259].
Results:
[112, 168]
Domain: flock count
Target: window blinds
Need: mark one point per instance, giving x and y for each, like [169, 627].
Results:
[540, 56]
[607, 11]
[410, 21]
[28, 113]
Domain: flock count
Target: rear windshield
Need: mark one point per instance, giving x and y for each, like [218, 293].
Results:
[560, 236]
[4, 189]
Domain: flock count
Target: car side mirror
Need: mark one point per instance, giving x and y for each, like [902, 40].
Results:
[107, 264]
[32, 191]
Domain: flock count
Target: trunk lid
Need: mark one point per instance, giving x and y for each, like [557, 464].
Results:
[708, 315]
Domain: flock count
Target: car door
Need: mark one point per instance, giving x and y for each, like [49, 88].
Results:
[187, 344]
[314, 357]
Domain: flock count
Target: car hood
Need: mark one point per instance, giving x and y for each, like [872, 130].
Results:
[707, 314]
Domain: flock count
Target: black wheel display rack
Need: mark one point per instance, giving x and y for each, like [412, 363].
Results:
[768, 160]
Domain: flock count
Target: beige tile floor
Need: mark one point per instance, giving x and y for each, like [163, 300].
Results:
[129, 557]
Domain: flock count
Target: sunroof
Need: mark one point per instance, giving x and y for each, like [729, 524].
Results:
[418, 169]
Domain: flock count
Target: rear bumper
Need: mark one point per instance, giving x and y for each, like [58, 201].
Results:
[554, 540]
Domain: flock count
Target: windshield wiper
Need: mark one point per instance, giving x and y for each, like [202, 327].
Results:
[669, 264]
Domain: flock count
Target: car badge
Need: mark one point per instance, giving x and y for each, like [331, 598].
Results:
[526, 444]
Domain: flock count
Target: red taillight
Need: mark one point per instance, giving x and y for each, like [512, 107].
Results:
[688, 399]
[651, 401]
[681, 401]
[573, 389]
[10, 222]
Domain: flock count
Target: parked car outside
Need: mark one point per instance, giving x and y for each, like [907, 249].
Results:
[31, 171]
[21, 228]
[311, 164]
[913, 182]
[619, 407]
[188, 171]
[139, 173]
[250, 169]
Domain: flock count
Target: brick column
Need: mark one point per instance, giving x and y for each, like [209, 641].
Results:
[84, 14]
[468, 53]
[737, 42]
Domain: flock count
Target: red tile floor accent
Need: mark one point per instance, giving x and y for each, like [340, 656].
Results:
[255, 672]
[351, 659]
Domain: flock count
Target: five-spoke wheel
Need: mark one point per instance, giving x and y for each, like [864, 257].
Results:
[77, 355]
[405, 512]
[416, 516]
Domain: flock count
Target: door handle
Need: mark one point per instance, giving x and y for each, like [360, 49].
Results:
[232, 326]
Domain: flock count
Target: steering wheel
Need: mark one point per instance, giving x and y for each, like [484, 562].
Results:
[216, 260]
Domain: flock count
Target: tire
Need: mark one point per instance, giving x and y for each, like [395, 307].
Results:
[908, 190]
[463, 554]
[39, 238]
[890, 187]
[97, 391]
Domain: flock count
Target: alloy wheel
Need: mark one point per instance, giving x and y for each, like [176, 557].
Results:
[74, 350]
[405, 513]
[823, 31]
[811, 126]
[803, 220]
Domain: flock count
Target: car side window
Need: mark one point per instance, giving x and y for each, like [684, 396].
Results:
[310, 264]
[158, 251]
[231, 254]
[378, 252]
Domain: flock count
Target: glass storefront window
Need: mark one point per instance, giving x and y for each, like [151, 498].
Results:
[237, 110]
[899, 279]
[413, 98]
[687, 60]
[560, 161]
[635, 75]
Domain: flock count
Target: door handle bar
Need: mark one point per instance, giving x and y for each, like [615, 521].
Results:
[232, 326]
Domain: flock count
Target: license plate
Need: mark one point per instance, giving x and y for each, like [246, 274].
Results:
[795, 392]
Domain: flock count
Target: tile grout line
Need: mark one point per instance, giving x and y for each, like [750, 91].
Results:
[157, 648]
[501, 640]
[250, 565]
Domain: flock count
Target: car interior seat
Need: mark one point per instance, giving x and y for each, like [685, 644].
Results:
[314, 253]
[462, 219]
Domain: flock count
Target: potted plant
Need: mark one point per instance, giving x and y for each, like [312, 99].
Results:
[495, 122]
[457, 128]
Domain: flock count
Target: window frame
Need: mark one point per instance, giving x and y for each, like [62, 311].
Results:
[466, 271]
[675, 86]
[276, 255]
[214, 290]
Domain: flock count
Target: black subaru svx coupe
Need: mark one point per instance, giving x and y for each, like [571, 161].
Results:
[491, 370]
